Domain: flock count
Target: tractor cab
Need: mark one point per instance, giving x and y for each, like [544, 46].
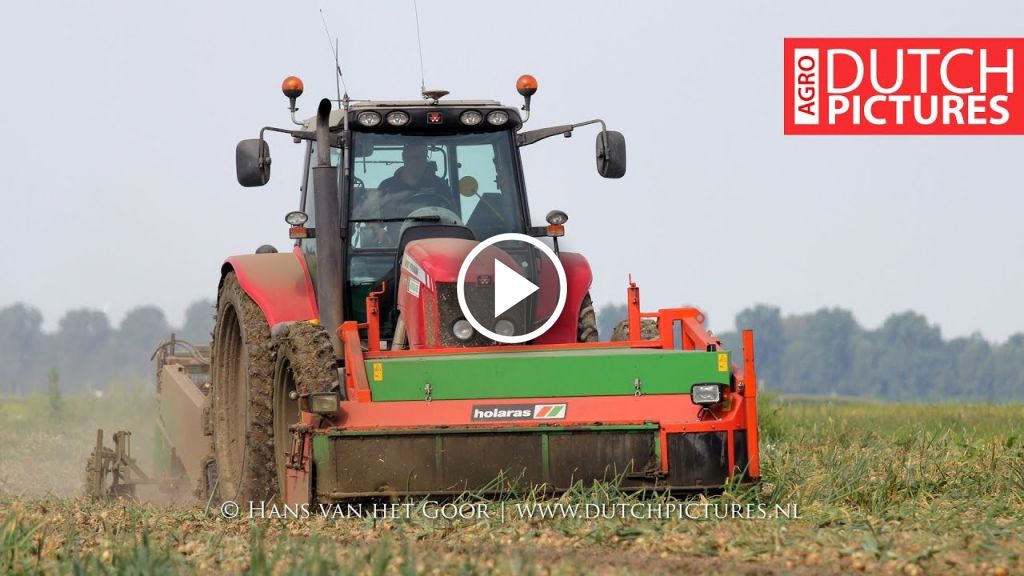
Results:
[417, 170]
[389, 173]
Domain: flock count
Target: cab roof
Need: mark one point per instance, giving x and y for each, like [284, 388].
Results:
[425, 103]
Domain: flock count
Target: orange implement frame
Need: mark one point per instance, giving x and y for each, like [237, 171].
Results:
[689, 320]
[749, 384]
[686, 322]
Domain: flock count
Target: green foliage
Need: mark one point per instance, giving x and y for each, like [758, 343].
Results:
[17, 537]
[906, 359]
[40, 455]
[199, 317]
[827, 352]
[22, 346]
[54, 395]
[86, 349]
[823, 352]
[870, 487]
[772, 423]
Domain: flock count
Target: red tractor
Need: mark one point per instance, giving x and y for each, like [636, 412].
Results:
[373, 360]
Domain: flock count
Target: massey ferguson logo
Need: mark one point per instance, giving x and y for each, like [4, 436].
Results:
[903, 86]
[519, 412]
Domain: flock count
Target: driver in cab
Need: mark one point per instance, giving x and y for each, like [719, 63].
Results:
[416, 180]
[413, 186]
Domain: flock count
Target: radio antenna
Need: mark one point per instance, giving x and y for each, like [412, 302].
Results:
[339, 78]
[419, 44]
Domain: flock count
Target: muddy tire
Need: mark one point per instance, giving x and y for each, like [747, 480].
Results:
[242, 373]
[648, 330]
[305, 361]
[586, 328]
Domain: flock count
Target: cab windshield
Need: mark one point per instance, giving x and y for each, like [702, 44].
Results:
[400, 180]
[403, 180]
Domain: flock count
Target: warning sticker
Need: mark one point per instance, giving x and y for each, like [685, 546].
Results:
[414, 268]
[378, 372]
[723, 362]
[413, 287]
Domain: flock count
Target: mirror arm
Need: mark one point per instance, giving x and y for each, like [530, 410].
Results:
[527, 138]
[296, 136]
[302, 134]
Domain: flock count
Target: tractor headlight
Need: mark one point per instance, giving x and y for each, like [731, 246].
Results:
[397, 118]
[462, 329]
[323, 402]
[296, 218]
[497, 117]
[471, 117]
[705, 394]
[557, 218]
[504, 327]
[368, 118]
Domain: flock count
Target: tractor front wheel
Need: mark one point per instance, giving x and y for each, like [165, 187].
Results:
[648, 330]
[242, 372]
[586, 327]
[305, 362]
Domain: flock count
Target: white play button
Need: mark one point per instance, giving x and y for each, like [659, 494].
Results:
[513, 284]
[510, 288]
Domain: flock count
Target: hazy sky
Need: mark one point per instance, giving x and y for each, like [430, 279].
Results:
[120, 121]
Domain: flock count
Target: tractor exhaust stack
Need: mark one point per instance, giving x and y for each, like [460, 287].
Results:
[330, 247]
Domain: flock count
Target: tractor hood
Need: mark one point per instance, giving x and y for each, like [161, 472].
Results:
[428, 292]
[438, 260]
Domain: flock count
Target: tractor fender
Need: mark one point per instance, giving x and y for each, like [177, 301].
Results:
[578, 278]
[278, 283]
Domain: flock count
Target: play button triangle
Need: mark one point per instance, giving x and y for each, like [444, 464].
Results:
[510, 288]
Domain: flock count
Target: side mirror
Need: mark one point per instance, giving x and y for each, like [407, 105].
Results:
[252, 162]
[611, 154]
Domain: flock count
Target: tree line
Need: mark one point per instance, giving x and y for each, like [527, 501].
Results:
[87, 352]
[822, 353]
[827, 352]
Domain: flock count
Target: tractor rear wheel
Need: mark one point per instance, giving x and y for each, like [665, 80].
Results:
[242, 372]
[586, 328]
[305, 361]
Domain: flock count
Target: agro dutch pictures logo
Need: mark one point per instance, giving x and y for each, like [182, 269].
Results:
[903, 86]
[519, 412]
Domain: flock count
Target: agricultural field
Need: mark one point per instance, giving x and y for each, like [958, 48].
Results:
[864, 487]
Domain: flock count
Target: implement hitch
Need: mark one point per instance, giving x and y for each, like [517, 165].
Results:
[113, 473]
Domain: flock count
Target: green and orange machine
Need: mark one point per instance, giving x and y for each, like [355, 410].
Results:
[346, 369]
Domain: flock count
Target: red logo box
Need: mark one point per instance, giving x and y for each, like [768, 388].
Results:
[903, 86]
